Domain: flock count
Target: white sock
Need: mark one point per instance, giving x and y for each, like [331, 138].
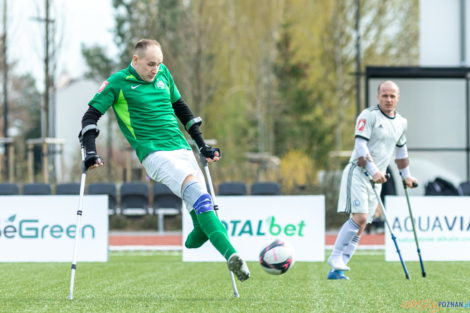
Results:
[345, 235]
[350, 249]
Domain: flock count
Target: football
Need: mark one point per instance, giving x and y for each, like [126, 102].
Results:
[277, 257]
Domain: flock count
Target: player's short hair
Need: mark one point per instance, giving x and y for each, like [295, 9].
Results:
[387, 82]
[142, 45]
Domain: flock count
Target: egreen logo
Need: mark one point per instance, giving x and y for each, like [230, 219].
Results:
[33, 229]
[261, 227]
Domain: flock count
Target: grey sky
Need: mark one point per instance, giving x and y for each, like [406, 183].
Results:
[78, 21]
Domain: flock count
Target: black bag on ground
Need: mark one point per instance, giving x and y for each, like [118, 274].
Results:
[440, 187]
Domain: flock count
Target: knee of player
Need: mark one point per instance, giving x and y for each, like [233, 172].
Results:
[195, 194]
[360, 219]
[203, 204]
[192, 245]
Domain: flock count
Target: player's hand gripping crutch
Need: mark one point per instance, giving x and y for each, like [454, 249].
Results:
[423, 272]
[382, 208]
[77, 228]
[216, 208]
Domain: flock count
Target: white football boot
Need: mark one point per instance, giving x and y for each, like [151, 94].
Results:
[238, 267]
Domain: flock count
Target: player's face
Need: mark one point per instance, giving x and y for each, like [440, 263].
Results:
[148, 64]
[388, 98]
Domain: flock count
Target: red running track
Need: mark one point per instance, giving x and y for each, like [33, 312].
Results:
[176, 240]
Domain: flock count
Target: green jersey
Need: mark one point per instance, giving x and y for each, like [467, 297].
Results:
[143, 110]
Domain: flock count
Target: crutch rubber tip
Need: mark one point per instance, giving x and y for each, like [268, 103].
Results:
[424, 274]
[408, 277]
[70, 297]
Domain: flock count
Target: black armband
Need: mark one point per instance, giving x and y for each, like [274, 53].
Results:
[197, 121]
[192, 128]
[89, 128]
[196, 134]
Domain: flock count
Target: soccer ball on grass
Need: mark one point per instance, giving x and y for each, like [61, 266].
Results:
[277, 257]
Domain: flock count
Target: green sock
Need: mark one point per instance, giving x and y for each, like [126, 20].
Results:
[196, 237]
[216, 232]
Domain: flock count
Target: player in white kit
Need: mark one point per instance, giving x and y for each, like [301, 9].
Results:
[380, 136]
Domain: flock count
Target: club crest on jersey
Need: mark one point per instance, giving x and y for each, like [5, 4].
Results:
[103, 85]
[361, 124]
[160, 85]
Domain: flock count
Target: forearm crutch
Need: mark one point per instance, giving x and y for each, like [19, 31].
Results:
[423, 272]
[216, 208]
[382, 208]
[77, 228]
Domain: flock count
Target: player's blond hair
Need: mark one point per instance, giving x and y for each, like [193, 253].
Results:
[143, 44]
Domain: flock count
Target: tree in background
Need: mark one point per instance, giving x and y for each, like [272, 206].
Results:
[24, 116]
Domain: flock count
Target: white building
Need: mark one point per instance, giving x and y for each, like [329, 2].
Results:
[72, 103]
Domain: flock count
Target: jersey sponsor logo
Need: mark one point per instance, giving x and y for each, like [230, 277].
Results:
[361, 124]
[103, 85]
[160, 85]
[356, 203]
[134, 87]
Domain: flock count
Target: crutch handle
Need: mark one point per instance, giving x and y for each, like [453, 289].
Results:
[406, 186]
[387, 176]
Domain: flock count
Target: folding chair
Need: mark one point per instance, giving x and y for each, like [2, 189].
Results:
[37, 189]
[9, 189]
[164, 203]
[265, 189]
[67, 189]
[134, 198]
[232, 189]
[108, 189]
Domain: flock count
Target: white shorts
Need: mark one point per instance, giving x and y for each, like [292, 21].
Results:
[356, 194]
[172, 167]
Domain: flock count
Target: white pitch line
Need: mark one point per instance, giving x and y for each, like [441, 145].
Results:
[145, 248]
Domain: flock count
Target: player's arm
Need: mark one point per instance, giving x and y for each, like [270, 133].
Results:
[364, 128]
[88, 135]
[366, 161]
[402, 161]
[103, 99]
[192, 125]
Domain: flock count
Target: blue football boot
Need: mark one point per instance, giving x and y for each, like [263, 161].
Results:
[336, 275]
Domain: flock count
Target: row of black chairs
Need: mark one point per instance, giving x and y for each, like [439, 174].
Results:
[256, 189]
[134, 197]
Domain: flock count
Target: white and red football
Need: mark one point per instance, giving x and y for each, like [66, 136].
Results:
[277, 257]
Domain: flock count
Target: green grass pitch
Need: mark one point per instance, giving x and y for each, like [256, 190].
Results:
[161, 282]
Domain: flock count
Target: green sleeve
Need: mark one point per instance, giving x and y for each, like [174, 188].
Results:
[174, 92]
[106, 95]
